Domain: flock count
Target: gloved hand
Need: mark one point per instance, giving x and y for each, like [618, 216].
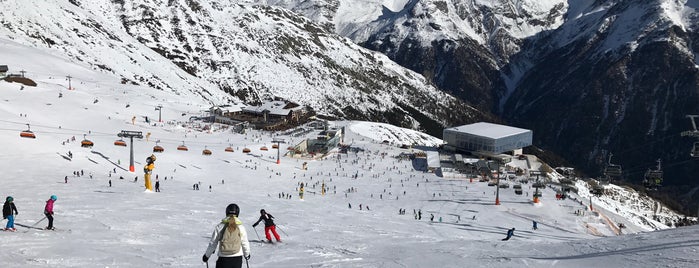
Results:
[204, 258]
[254, 225]
[16, 213]
[247, 257]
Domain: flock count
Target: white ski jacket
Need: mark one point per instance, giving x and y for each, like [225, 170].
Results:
[218, 234]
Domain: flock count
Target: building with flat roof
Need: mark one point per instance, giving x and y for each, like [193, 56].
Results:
[487, 138]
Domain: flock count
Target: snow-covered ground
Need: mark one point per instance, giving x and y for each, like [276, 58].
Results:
[123, 226]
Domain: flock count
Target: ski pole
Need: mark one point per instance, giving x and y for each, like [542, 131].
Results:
[280, 229]
[42, 219]
[246, 262]
[258, 236]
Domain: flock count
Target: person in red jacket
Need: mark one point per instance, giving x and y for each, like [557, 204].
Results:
[269, 226]
[48, 211]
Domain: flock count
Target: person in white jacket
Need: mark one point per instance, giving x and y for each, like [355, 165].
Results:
[232, 241]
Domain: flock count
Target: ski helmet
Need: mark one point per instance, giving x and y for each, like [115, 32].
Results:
[9, 199]
[262, 211]
[232, 209]
[54, 197]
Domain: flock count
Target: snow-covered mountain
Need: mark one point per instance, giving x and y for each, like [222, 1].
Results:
[589, 77]
[105, 219]
[250, 52]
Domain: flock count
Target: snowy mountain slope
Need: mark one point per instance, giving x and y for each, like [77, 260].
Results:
[122, 225]
[250, 52]
[618, 74]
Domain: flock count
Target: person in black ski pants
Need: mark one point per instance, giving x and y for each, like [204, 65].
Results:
[510, 233]
[269, 226]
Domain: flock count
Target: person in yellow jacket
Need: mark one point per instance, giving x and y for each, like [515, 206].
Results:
[232, 241]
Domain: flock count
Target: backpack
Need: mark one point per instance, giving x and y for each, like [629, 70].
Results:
[230, 242]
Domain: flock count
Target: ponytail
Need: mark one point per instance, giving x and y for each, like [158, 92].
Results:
[232, 225]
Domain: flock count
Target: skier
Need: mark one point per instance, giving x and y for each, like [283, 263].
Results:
[48, 211]
[269, 226]
[534, 225]
[157, 185]
[7, 210]
[232, 241]
[510, 233]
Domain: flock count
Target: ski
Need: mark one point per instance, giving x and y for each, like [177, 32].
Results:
[29, 227]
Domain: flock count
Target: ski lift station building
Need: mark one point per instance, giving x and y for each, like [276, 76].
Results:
[487, 138]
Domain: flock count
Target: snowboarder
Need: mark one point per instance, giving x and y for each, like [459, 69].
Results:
[510, 233]
[269, 226]
[157, 185]
[7, 213]
[48, 211]
[534, 227]
[232, 240]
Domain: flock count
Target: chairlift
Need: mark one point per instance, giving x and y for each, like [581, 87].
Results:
[27, 133]
[695, 150]
[653, 177]
[229, 149]
[182, 147]
[120, 142]
[264, 148]
[85, 143]
[246, 150]
[290, 148]
[612, 170]
[157, 148]
[275, 146]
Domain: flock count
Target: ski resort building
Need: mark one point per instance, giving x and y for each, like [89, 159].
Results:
[3, 70]
[487, 139]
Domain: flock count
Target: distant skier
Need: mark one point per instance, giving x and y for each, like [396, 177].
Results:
[510, 233]
[157, 185]
[232, 241]
[7, 213]
[534, 227]
[48, 211]
[269, 226]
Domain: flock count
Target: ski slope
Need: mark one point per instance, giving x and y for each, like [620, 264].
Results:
[124, 226]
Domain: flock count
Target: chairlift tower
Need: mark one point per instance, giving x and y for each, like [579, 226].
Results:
[278, 141]
[131, 135]
[159, 108]
[497, 184]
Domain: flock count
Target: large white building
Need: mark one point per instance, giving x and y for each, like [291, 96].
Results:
[487, 138]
